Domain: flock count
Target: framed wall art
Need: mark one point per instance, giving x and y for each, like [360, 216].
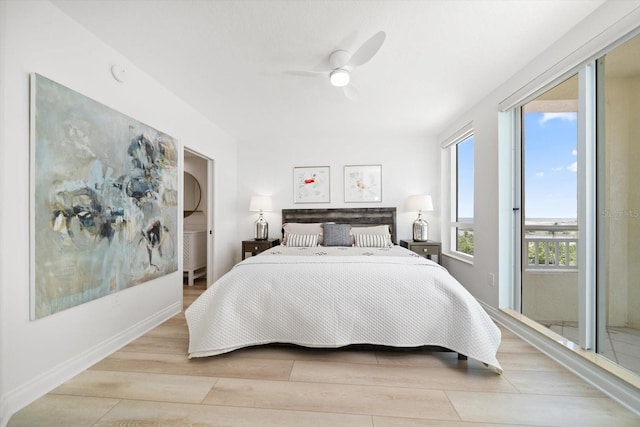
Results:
[311, 184]
[362, 183]
[104, 207]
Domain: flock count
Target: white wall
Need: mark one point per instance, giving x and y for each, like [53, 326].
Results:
[608, 23]
[409, 166]
[36, 356]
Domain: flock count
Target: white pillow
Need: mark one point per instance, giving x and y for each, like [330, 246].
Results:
[302, 240]
[373, 240]
[374, 229]
[302, 228]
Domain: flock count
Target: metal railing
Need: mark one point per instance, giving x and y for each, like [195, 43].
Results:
[551, 247]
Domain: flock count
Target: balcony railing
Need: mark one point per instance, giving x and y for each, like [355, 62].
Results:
[552, 247]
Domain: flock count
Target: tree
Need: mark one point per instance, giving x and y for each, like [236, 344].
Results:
[465, 242]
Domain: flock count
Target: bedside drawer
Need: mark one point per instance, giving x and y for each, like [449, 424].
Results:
[425, 249]
[257, 246]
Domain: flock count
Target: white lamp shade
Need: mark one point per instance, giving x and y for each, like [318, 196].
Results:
[260, 204]
[420, 203]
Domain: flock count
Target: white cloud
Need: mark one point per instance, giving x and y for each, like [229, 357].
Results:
[558, 169]
[571, 117]
[574, 152]
[539, 173]
[573, 167]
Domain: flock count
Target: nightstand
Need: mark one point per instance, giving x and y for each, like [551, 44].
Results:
[426, 249]
[256, 246]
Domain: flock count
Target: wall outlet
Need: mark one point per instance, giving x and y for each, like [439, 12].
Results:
[492, 280]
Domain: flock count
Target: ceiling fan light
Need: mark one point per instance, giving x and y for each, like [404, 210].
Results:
[339, 77]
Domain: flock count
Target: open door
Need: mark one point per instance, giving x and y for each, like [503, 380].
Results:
[198, 218]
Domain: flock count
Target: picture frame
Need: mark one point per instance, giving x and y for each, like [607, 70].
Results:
[311, 184]
[363, 183]
[105, 193]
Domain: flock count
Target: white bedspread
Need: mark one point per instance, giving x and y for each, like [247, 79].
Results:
[333, 297]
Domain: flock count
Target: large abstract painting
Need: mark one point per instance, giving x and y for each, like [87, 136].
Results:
[104, 211]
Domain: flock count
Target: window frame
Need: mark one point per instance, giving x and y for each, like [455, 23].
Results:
[451, 145]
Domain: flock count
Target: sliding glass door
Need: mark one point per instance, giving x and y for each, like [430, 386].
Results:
[578, 176]
[619, 205]
[549, 288]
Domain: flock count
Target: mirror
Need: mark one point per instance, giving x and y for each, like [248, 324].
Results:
[192, 194]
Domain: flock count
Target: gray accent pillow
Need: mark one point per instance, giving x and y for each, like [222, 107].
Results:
[336, 234]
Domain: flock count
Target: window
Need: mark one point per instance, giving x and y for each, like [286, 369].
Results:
[462, 193]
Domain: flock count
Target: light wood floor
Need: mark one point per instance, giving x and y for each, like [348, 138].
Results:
[151, 382]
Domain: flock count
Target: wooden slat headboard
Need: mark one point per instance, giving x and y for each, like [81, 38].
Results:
[357, 217]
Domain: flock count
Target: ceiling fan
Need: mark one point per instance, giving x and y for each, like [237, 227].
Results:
[342, 63]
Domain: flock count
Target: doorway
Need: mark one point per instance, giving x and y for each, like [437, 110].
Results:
[198, 218]
[550, 270]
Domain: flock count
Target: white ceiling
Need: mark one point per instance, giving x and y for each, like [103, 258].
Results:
[228, 58]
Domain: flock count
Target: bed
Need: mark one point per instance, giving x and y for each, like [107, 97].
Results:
[365, 291]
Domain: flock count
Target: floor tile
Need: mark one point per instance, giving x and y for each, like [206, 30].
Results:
[68, 411]
[506, 333]
[571, 333]
[151, 344]
[515, 345]
[625, 347]
[141, 386]
[300, 396]
[528, 362]
[138, 413]
[562, 383]
[216, 366]
[427, 359]
[540, 410]
[632, 363]
[400, 376]
[413, 422]
[172, 328]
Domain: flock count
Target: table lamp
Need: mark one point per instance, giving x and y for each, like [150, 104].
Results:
[420, 203]
[261, 204]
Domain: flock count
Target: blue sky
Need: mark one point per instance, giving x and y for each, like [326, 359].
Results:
[465, 178]
[550, 172]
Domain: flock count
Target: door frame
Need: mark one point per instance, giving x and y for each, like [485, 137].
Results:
[210, 209]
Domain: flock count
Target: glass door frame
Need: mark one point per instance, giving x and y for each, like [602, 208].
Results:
[587, 209]
[602, 292]
[518, 209]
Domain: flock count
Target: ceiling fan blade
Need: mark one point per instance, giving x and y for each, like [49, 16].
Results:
[367, 50]
[351, 93]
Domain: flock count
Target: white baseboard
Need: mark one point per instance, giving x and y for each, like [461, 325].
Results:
[610, 384]
[16, 399]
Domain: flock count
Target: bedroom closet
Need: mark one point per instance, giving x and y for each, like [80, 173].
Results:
[197, 235]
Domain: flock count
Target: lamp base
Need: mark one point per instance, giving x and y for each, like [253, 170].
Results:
[420, 230]
[262, 228]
